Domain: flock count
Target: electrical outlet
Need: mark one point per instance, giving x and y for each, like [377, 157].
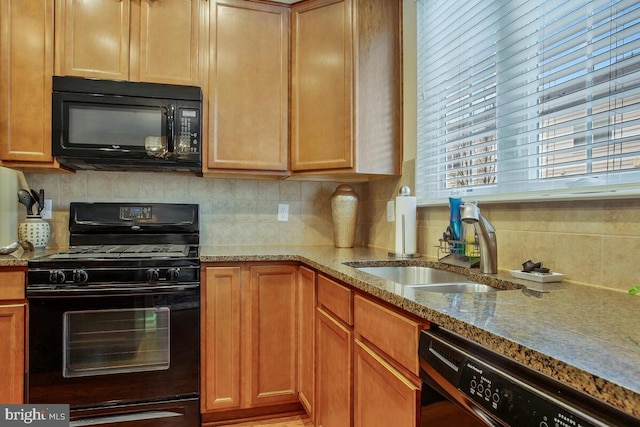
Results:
[47, 210]
[283, 212]
[391, 211]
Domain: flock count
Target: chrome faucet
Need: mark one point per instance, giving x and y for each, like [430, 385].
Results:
[470, 214]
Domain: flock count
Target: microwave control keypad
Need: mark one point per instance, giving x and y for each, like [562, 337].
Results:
[188, 139]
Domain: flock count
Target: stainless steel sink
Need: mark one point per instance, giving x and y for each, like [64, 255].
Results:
[458, 288]
[411, 275]
[428, 279]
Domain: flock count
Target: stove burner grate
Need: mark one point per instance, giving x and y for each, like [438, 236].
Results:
[123, 251]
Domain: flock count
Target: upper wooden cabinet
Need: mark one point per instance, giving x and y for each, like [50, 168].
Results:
[346, 87]
[26, 67]
[248, 88]
[156, 41]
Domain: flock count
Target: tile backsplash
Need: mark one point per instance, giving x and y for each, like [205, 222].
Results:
[232, 211]
[594, 242]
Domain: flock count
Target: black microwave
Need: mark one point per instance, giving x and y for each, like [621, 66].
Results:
[126, 126]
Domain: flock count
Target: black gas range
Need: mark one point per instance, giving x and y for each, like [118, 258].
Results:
[114, 321]
[122, 244]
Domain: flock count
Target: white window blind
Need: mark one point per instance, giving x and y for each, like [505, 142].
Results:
[528, 99]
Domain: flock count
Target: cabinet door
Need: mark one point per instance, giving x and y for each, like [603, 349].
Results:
[248, 80]
[321, 84]
[92, 38]
[220, 311]
[306, 340]
[12, 363]
[166, 44]
[25, 80]
[333, 372]
[382, 396]
[271, 335]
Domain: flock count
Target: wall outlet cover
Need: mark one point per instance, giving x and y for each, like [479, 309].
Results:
[47, 211]
[283, 212]
[391, 211]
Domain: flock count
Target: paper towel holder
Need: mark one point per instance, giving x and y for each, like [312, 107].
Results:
[403, 192]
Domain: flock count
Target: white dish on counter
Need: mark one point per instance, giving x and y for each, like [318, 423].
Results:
[537, 277]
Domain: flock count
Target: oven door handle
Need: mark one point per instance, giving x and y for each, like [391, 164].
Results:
[67, 291]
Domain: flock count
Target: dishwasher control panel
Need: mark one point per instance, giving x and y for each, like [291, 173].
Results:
[512, 402]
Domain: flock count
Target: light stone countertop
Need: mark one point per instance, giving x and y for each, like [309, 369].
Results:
[585, 336]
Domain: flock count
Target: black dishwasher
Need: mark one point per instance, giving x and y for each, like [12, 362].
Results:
[497, 391]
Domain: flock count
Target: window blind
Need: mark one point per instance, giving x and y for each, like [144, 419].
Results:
[528, 99]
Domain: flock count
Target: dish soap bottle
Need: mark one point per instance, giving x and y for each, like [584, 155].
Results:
[456, 224]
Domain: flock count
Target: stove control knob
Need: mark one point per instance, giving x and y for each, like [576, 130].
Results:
[57, 276]
[80, 276]
[153, 275]
[173, 274]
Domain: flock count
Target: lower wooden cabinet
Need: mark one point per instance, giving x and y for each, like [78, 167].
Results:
[271, 335]
[386, 366]
[248, 339]
[382, 395]
[13, 309]
[220, 338]
[334, 367]
[306, 339]
[280, 337]
[334, 354]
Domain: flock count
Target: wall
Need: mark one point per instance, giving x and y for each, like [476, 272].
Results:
[232, 211]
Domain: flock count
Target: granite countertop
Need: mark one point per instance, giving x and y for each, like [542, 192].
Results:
[585, 336]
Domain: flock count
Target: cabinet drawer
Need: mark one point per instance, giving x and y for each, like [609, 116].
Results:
[336, 298]
[392, 333]
[12, 285]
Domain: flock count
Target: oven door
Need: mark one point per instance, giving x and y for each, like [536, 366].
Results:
[90, 349]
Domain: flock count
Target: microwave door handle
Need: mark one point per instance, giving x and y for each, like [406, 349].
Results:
[171, 115]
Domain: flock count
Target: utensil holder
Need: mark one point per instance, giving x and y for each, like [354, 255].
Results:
[35, 230]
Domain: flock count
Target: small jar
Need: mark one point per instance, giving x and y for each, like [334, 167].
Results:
[344, 211]
[34, 230]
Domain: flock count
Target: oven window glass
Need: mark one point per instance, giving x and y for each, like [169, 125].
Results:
[103, 125]
[100, 342]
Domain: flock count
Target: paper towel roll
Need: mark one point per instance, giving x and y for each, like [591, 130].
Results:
[8, 206]
[405, 225]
